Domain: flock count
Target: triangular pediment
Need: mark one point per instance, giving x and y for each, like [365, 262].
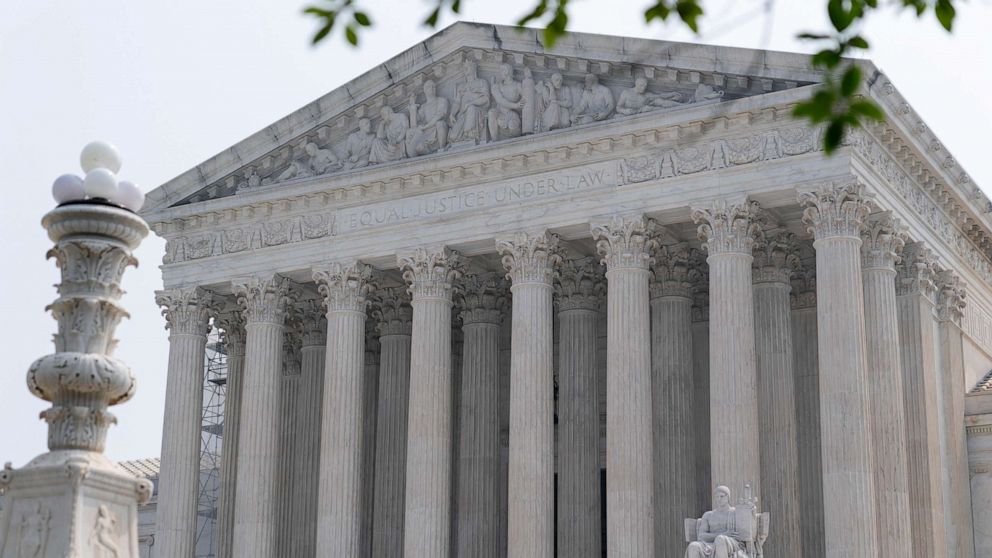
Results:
[490, 83]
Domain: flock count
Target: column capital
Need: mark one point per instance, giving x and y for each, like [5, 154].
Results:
[530, 257]
[803, 293]
[345, 286]
[431, 272]
[292, 364]
[776, 255]
[726, 227]
[232, 326]
[950, 297]
[700, 280]
[580, 285]
[313, 322]
[626, 242]
[187, 310]
[672, 272]
[482, 298]
[882, 241]
[836, 209]
[916, 271]
[392, 311]
[265, 298]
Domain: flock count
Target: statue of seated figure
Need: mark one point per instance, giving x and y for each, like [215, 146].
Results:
[727, 531]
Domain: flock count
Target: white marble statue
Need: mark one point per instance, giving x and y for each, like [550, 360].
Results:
[252, 180]
[428, 126]
[321, 161]
[296, 169]
[390, 138]
[508, 98]
[637, 99]
[727, 531]
[596, 102]
[557, 101]
[469, 110]
[706, 93]
[358, 146]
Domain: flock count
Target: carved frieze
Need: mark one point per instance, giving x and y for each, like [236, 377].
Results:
[250, 236]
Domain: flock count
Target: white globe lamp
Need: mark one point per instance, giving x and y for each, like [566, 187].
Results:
[67, 188]
[100, 183]
[129, 196]
[100, 155]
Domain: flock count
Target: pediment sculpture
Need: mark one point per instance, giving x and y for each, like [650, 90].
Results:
[728, 531]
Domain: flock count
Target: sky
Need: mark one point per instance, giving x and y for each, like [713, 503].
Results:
[173, 83]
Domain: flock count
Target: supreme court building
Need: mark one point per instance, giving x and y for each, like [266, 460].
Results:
[489, 299]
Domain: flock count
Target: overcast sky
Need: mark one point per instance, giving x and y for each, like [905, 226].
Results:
[173, 83]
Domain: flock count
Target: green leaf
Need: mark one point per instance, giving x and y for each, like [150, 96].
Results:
[827, 58]
[539, 10]
[840, 17]
[850, 81]
[867, 109]
[362, 19]
[660, 10]
[322, 32]
[431, 20]
[690, 11]
[351, 35]
[857, 41]
[833, 137]
[812, 36]
[319, 12]
[456, 6]
[945, 12]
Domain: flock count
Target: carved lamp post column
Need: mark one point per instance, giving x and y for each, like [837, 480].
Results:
[72, 500]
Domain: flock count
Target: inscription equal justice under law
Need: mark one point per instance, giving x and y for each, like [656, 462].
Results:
[474, 198]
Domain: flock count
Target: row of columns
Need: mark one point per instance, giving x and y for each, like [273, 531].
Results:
[864, 413]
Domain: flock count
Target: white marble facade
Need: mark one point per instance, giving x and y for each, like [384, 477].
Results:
[483, 270]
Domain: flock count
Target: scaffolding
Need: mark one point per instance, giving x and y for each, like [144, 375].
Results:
[211, 433]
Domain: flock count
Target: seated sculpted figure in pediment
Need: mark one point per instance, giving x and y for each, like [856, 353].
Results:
[638, 99]
[390, 139]
[726, 531]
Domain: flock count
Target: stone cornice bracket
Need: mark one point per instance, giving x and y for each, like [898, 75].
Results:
[580, 285]
[916, 271]
[776, 256]
[626, 242]
[264, 298]
[482, 298]
[882, 241]
[231, 323]
[727, 227]
[530, 257]
[837, 209]
[345, 286]
[392, 311]
[313, 322]
[950, 297]
[672, 273]
[431, 272]
[187, 310]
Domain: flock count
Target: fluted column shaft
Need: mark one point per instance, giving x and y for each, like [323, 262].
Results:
[394, 315]
[530, 260]
[836, 216]
[306, 457]
[626, 246]
[579, 289]
[808, 420]
[232, 324]
[734, 438]
[481, 305]
[256, 518]
[774, 258]
[339, 505]
[882, 241]
[427, 521]
[187, 312]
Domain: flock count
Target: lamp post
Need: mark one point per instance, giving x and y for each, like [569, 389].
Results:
[72, 501]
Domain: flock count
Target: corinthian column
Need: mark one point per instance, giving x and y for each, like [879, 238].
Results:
[306, 457]
[393, 314]
[482, 302]
[530, 260]
[883, 239]
[265, 301]
[187, 313]
[427, 524]
[672, 394]
[625, 245]
[232, 326]
[775, 255]
[579, 289]
[728, 235]
[370, 412]
[344, 287]
[835, 215]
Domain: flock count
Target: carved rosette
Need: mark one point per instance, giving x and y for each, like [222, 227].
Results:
[727, 227]
[672, 273]
[580, 285]
[93, 247]
[626, 242]
[313, 322]
[950, 297]
[882, 241]
[481, 298]
[265, 299]
[392, 312]
[836, 210]
[530, 258]
[916, 272]
[345, 286]
[431, 273]
[776, 256]
[187, 310]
